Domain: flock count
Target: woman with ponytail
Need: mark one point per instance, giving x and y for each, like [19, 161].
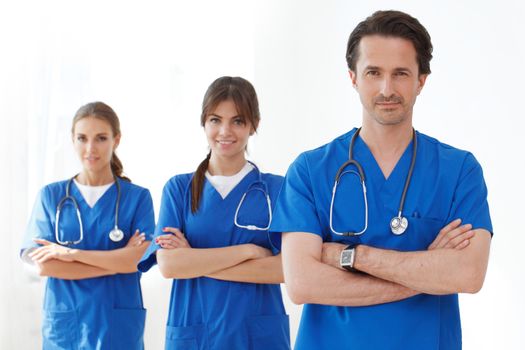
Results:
[212, 238]
[87, 234]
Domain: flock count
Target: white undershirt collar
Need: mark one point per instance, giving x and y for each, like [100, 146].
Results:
[92, 194]
[225, 184]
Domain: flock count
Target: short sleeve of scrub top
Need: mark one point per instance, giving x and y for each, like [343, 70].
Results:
[295, 210]
[171, 207]
[144, 216]
[470, 198]
[40, 223]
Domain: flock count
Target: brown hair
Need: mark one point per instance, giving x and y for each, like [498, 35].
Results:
[243, 95]
[393, 24]
[102, 111]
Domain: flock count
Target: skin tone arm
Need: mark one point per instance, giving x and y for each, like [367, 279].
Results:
[235, 265]
[188, 262]
[263, 270]
[309, 279]
[438, 271]
[100, 262]
[70, 270]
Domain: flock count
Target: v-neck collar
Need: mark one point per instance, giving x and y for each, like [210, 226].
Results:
[391, 188]
[75, 191]
[242, 184]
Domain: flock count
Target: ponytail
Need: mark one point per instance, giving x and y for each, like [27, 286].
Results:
[197, 183]
[116, 167]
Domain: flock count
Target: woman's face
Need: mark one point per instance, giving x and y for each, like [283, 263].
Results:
[94, 143]
[226, 131]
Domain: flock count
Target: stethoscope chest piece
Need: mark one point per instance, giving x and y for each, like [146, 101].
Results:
[116, 235]
[398, 225]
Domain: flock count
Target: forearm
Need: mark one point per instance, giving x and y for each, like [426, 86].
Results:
[196, 262]
[122, 260]
[309, 280]
[70, 270]
[264, 270]
[317, 283]
[441, 271]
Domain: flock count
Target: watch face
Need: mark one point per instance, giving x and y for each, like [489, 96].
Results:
[346, 257]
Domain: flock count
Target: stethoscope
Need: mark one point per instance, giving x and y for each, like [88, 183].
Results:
[116, 234]
[255, 186]
[399, 223]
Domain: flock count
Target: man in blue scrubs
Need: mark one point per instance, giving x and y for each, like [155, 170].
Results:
[386, 288]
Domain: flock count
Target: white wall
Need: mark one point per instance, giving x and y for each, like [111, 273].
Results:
[153, 63]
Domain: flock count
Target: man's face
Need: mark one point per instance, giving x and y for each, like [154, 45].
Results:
[387, 79]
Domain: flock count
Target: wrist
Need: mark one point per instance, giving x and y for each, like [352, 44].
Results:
[72, 253]
[359, 257]
[348, 257]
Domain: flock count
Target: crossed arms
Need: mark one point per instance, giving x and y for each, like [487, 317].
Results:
[456, 262]
[240, 263]
[55, 260]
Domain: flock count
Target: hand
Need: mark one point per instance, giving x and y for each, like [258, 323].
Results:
[50, 251]
[136, 240]
[174, 239]
[259, 252]
[332, 254]
[453, 236]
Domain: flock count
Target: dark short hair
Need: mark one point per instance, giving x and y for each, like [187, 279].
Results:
[392, 24]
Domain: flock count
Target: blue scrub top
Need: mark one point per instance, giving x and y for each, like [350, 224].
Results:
[207, 313]
[94, 313]
[446, 184]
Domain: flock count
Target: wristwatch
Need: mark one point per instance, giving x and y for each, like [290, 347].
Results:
[348, 257]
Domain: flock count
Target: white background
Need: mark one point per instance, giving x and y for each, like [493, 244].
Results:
[152, 62]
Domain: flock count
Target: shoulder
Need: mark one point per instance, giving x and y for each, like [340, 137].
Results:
[132, 187]
[435, 150]
[272, 178]
[179, 180]
[178, 183]
[134, 191]
[319, 156]
[54, 190]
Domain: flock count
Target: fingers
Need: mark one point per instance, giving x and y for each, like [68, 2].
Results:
[451, 226]
[170, 241]
[453, 236]
[175, 238]
[41, 241]
[174, 231]
[461, 240]
[42, 255]
[136, 239]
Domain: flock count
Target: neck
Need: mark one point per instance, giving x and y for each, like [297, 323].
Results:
[386, 141]
[90, 178]
[226, 166]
